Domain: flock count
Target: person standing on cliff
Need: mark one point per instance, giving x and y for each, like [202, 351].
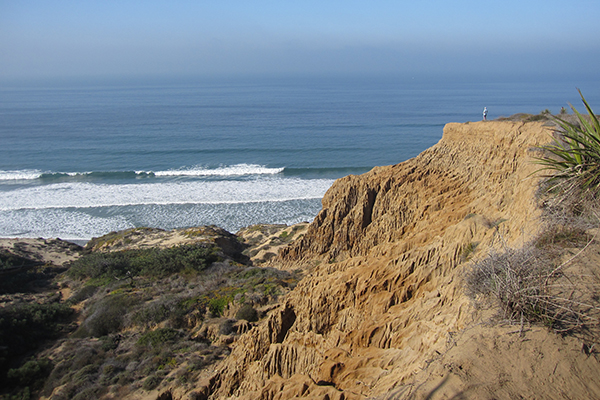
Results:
[485, 113]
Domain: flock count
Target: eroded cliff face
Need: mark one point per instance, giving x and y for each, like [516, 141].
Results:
[476, 169]
[382, 311]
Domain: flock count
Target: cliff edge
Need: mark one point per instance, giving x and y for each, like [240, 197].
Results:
[382, 311]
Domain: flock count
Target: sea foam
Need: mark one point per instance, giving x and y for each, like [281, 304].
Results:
[85, 223]
[87, 194]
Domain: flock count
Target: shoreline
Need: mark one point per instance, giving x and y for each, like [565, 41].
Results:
[79, 242]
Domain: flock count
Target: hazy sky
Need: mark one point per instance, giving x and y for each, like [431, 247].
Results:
[80, 38]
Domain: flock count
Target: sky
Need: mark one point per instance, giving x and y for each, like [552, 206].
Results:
[91, 38]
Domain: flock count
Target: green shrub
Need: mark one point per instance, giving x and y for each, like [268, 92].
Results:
[159, 337]
[106, 316]
[218, 304]
[188, 304]
[254, 276]
[31, 373]
[21, 394]
[468, 250]
[152, 382]
[226, 327]
[164, 262]
[248, 313]
[27, 279]
[89, 393]
[153, 262]
[78, 368]
[109, 342]
[82, 294]
[24, 326]
[574, 161]
[10, 260]
[96, 265]
[156, 312]
[85, 374]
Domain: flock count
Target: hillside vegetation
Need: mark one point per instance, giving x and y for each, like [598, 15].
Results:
[120, 316]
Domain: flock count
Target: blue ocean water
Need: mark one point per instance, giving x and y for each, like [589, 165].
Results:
[79, 160]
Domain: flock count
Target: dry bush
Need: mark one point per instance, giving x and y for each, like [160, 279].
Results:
[576, 208]
[514, 277]
[530, 285]
[107, 315]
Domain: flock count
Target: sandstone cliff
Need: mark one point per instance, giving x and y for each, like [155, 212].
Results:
[382, 312]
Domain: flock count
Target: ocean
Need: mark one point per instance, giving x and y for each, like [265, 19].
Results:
[81, 159]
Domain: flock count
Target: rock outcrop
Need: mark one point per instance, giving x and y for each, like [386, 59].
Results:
[382, 312]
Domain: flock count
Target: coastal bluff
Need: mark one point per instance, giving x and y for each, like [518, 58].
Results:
[374, 299]
[383, 313]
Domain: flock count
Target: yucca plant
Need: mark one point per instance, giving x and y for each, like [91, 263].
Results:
[574, 160]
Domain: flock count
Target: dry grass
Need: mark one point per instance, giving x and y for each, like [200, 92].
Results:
[542, 282]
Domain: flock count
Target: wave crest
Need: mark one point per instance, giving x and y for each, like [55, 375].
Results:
[25, 174]
[228, 170]
[197, 171]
